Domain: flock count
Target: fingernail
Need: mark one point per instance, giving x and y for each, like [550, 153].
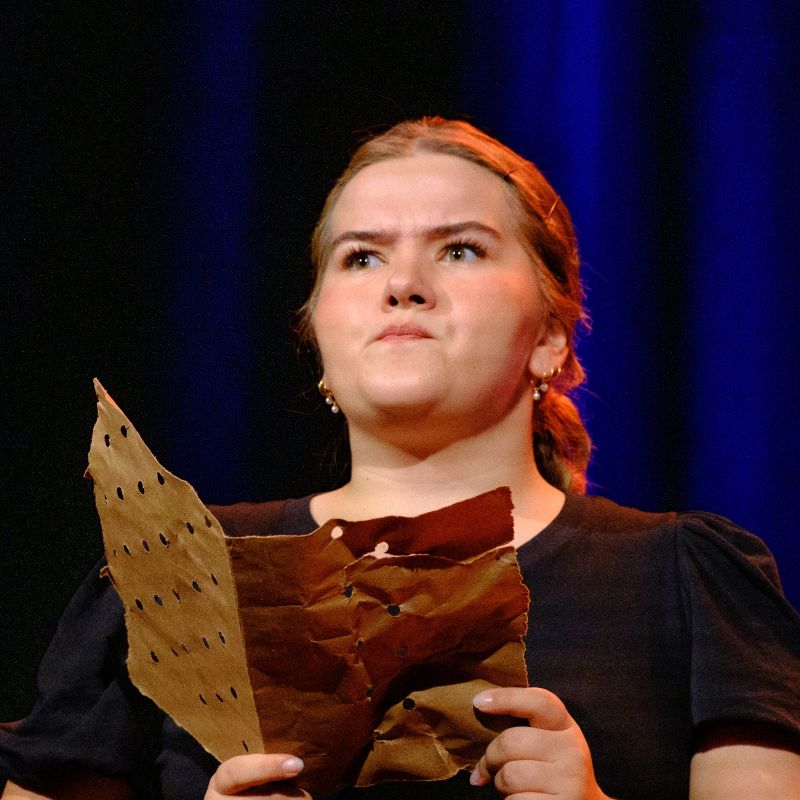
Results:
[483, 701]
[292, 766]
[475, 778]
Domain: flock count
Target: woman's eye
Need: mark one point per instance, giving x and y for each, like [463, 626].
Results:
[463, 252]
[361, 259]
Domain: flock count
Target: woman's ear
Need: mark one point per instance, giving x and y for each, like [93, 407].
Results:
[551, 352]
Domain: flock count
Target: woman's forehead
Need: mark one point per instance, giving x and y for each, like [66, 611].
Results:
[424, 189]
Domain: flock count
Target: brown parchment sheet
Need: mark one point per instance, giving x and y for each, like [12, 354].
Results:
[358, 647]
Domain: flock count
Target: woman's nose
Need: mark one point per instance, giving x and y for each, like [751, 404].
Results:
[408, 285]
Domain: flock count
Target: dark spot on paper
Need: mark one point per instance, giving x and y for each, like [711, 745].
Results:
[408, 704]
[359, 644]
[393, 609]
[139, 604]
[140, 486]
[119, 493]
[123, 430]
[164, 539]
[348, 590]
[158, 600]
[154, 657]
[160, 478]
[107, 440]
[369, 691]
[202, 699]
[234, 693]
[177, 596]
[214, 579]
[189, 527]
[196, 586]
[115, 553]
[221, 636]
[145, 545]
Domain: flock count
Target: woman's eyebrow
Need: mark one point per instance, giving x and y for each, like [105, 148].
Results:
[456, 228]
[374, 236]
[379, 236]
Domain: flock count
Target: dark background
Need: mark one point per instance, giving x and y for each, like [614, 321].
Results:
[162, 169]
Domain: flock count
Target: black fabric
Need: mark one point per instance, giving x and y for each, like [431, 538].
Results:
[646, 626]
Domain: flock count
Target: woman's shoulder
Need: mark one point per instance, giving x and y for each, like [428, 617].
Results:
[270, 517]
[703, 540]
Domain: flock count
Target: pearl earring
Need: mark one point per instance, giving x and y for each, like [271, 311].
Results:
[543, 383]
[330, 400]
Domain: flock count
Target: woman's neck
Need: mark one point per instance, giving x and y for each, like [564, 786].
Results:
[388, 479]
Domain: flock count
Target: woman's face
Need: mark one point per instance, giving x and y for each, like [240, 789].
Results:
[429, 305]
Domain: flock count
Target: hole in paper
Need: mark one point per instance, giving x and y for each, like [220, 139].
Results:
[393, 609]
[119, 493]
[160, 478]
[140, 487]
[408, 704]
[123, 430]
[107, 440]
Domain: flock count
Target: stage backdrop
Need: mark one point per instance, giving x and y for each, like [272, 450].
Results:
[166, 169]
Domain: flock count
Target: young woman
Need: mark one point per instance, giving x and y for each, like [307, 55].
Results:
[662, 657]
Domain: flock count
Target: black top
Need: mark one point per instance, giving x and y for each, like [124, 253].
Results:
[645, 625]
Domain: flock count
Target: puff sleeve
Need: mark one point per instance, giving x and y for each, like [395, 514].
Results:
[87, 714]
[744, 636]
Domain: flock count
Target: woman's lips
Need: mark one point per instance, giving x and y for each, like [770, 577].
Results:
[403, 332]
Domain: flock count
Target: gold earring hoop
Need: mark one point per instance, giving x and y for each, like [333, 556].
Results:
[330, 400]
[543, 382]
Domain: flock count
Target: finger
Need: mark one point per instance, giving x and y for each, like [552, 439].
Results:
[540, 707]
[518, 777]
[244, 772]
[523, 744]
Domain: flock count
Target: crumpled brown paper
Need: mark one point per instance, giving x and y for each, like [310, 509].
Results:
[357, 647]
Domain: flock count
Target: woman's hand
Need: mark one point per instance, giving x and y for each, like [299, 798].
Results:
[264, 772]
[547, 759]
